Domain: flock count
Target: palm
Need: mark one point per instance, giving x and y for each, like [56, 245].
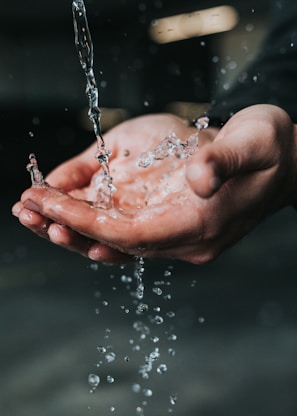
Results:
[136, 186]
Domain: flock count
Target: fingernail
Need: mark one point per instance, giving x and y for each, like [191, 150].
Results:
[29, 204]
[94, 252]
[194, 172]
[15, 210]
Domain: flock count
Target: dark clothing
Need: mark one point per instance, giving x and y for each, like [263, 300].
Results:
[272, 76]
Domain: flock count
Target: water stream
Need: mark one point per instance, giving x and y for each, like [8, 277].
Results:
[85, 50]
[149, 315]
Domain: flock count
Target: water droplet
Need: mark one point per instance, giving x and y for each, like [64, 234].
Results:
[172, 337]
[162, 368]
[157, 291]
[154, 355]
[163, 150]
[126, 279]
[147, 392]
[170, 314]
[139, 411]
[155, 339]
[101, 349]
[112, 409]
[94, 266]
[93, 380]
[110, 379]
[146, 159]
[136, 348]
[201, 320]
[172, 399]
[171, 352]
[157, 320]
[136, 388]
[146, 103]
[110, 357]
[142, 308]
[31, 134]
[141, 327]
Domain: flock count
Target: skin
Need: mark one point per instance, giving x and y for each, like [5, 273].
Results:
[240, 175]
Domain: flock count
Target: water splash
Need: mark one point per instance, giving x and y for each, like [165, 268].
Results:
[174, 146]
[84, 46]
[35, 173]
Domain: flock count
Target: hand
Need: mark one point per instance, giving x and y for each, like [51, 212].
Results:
[245, 174]
[72, 185]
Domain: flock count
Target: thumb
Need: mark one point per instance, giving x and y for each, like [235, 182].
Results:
[75, 172]
[223, 159]
[203, 173]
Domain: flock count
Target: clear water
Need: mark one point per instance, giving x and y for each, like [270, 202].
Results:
[84, 46]
[32, 168]
[147, 350]
[173, 146]
[153, 327]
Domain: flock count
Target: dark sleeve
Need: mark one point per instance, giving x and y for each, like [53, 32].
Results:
[272, 77]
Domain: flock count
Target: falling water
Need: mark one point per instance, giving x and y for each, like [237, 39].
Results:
[148, 349]
[148, 315]
[84, 46]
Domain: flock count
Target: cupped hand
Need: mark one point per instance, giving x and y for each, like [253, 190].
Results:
[185, 210]
[65, 214]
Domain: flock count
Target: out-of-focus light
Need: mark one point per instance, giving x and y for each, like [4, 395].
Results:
[198, 23]
[187, 110]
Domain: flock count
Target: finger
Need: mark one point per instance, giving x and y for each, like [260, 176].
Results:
[63, 236]
[71, 240]
[152, 226]
[105, 254]
[78, 215]
[16, 208]
[35, 222]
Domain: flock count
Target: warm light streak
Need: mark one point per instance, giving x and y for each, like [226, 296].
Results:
[198, 23]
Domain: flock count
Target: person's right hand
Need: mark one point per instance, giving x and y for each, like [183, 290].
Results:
[248, 172]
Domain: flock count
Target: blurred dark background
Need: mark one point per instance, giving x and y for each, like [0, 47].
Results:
[42, 99]
[235, 319]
